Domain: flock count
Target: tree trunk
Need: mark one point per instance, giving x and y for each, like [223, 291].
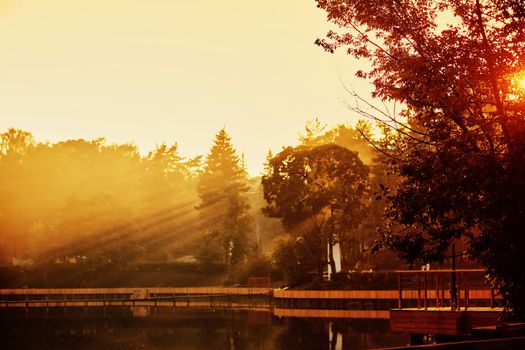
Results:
[320, 267]
[331, 259]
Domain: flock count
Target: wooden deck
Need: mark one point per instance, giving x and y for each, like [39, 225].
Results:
[515, 343]
[443, 321]
[446, 304]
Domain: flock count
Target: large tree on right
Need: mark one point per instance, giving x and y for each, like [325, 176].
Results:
[455, 66]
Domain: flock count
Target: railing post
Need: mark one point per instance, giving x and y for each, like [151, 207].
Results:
[442, 296]
[418, 290]
[425, 274]
[437, 289]
[453, 286]
[458, 290]
[400, 285]
[466, 291]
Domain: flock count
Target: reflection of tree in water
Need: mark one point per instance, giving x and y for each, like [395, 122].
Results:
[365, 334]
[323, 334]
[215, 329]
[208, 331]
[187, 329]
[163, 329]
[303, 334]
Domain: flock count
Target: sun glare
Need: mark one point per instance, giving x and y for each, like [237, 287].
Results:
[521, 82]
[517, 86]
[518, 81]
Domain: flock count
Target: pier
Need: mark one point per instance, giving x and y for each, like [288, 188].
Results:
[146, 297]
[414, 292]
[421, 304]
[448, 306]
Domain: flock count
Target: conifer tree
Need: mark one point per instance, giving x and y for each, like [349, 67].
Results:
[224, 205]
[268, 162]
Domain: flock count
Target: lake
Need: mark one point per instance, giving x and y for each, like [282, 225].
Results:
[188, 329]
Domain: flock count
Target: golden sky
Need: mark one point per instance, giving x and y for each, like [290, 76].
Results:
[151, 71]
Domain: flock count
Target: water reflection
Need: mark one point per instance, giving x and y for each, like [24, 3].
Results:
[169, 328]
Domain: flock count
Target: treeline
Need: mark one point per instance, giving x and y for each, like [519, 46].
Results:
[105, 204]
[328, 191]
[93, 199]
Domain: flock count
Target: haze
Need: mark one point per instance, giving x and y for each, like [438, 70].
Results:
[157, 71]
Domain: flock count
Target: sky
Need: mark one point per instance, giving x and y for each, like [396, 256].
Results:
[153, 71]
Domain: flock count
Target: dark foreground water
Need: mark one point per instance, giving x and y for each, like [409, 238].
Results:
[188, 329]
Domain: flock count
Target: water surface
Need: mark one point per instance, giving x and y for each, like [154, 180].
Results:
[187, 329]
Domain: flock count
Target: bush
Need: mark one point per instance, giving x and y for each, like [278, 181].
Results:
[291, 258]
[255, 265]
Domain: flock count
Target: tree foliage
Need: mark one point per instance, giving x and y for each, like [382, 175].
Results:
[91, 198]
[318, 194]
[294, 259]
[224, 206]
[460, 148]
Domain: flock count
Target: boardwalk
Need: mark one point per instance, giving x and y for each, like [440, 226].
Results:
[147, 297]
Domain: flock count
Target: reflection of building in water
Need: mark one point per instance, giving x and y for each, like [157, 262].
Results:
[139, 311]
[140, 294]
[22, 262]
[336, 338]
[337, 258]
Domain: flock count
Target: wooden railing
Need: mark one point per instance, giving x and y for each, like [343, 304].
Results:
[132, 290]
[445, 288]
[71, 297]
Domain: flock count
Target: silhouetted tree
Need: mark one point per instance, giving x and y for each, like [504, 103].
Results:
[356, 247]
[318, 193]
[460, 147]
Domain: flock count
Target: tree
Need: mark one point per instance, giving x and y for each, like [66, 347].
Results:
[14, 146]
[96, 199]
[318, 194]
[15, 142]
[167, 183]
[236, 227]
[314, 134]
[355, 248]
[168, 197]
[222, 190]
[293, 259]
[210, 251]
[460, 147]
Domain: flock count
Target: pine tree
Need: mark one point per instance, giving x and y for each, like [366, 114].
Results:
[313, 133]
[224, 205]
[267, 162]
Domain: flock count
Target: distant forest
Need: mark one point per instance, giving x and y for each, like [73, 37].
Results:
[105, 205]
